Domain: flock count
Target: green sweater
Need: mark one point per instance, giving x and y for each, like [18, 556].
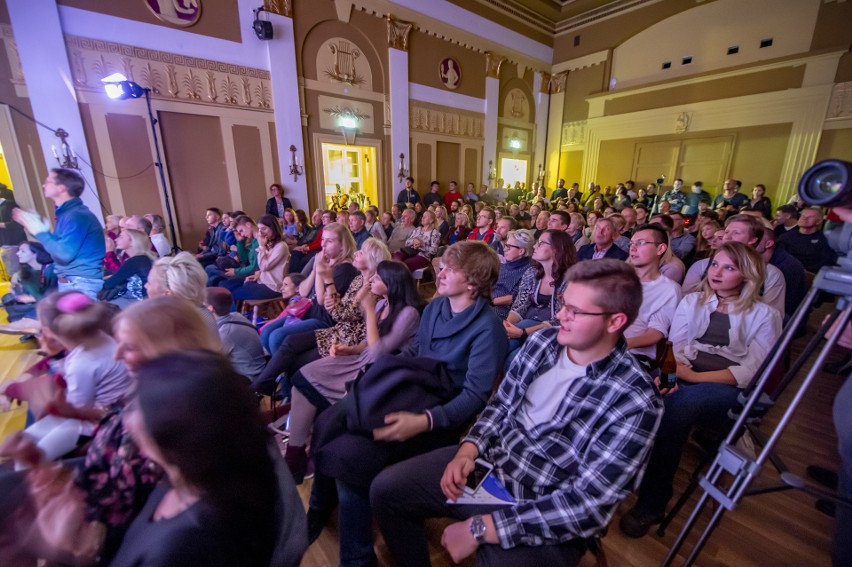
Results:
[248, 258]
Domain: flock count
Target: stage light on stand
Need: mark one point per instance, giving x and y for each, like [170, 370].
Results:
[118, 87]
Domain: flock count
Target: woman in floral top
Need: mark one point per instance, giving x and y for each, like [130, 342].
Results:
[349, 329]
[421, 245]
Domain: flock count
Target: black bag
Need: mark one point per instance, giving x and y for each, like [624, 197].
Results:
[409, 251]
[395, 383]
[226, 262]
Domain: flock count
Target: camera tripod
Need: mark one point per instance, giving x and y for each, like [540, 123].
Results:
[743, 469]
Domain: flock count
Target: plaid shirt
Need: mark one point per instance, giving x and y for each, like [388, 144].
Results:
[570, 473]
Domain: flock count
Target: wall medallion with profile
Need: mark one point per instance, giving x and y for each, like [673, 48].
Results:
[181, 13]
[450, 73]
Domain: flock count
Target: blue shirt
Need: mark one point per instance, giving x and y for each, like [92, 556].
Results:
[77, 241]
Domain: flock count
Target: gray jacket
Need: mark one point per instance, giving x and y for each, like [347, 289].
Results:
[241, 342]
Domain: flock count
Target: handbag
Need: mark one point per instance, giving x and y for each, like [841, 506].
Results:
[226, 263]
[392, 384]
[409, 251]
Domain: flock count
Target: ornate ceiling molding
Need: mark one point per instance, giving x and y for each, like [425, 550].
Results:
[280, 7]
[169, 75]
[493, 64]
[398, 33]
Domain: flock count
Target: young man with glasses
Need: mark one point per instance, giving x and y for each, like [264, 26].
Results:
[660, 295]
[569, 431]
[484, 230]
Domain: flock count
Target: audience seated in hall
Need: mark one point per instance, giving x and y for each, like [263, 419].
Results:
[749, 231]
[127, 285]
[720, 336]
[458, 328]
[391, 325]
[570, 430]
[808, 244]
[401, 232]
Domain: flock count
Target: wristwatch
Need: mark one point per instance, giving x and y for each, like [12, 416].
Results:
[477, 529]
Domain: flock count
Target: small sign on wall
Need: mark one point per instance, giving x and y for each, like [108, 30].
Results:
[181, 13]
[450, 73]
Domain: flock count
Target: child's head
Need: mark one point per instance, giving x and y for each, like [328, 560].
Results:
[71, 316]
[290, 285]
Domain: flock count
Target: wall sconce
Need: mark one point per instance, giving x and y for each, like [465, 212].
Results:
[295, 169]
[492, 171]
[68, 160]
[540, 177]
[348, 123]
[403, 173]
[515, 143]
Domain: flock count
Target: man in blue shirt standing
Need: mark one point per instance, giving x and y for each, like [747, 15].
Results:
[77, 241]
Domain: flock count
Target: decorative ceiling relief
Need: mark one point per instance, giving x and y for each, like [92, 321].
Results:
[516, 105]
[450, 73]
[169, 75]
[341, 61]
[840, 105]
[182, 13]
[493, 64]
[424, 117]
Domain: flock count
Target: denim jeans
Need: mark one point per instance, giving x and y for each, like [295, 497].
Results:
[516, 344]
[405, 494]
[356, 526]
[273, 334]
[841, 549]
[705, 404]
[87, 286]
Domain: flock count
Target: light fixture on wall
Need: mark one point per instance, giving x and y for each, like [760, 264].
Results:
[118, 87]
[492, 171]
[540, 176]
[295, 168]
[515, 142]
[67, 159]
[402, 173]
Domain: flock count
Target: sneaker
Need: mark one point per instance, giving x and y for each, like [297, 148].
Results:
[309, 472]
[636, 523]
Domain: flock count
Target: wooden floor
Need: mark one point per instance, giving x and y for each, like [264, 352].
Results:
[780, 529]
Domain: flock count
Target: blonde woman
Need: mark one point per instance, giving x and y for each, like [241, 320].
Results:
[181, 276]
[332, 273]
[127, 285]
[720, 336]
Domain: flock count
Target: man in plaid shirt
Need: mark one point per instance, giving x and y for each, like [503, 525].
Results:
[568, 433]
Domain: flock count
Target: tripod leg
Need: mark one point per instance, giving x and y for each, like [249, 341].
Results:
[681, 538]
[705, 536]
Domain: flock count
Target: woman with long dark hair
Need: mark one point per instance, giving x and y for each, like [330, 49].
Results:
[34, 280]
[540, 295]
[273, 255]
[391, 325]
[193, 415]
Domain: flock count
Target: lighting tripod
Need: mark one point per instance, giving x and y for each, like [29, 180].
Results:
[742, 468]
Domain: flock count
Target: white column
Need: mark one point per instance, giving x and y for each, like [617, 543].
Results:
[541, 103]
[489, 152]
[288, 114]
[44, 60]
[400, 138]
[554, 137]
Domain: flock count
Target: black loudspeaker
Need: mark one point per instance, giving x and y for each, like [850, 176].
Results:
[262, 29]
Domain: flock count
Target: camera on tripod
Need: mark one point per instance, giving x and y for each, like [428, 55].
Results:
[827, 184]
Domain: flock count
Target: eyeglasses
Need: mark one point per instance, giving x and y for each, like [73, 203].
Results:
[572, 312]
[544, 242]
[507, 245]
[635, 243]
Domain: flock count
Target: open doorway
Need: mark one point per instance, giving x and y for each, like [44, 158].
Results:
[514, 171]
[349, 173]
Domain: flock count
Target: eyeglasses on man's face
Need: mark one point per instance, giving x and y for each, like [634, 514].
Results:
[642, 242]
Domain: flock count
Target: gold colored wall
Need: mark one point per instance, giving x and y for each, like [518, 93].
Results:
[425, 54]
[835, 144]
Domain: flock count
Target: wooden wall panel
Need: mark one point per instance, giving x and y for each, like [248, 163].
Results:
[195, 155]
[449, 163]
[423, 175]
[128, 136]
[471, 169]
[97, 165]
[250, 169]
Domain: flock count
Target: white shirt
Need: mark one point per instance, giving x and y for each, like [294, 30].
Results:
[660, 299]
[162, 245]
[752, 335]
[774, 288]
[546, 392]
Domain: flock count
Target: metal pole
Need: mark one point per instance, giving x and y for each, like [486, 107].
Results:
[159, 164]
